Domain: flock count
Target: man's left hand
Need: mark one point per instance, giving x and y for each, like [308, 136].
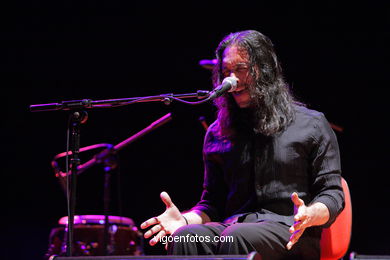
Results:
[306, 216]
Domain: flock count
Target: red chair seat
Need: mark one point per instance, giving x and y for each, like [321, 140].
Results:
[335, 239]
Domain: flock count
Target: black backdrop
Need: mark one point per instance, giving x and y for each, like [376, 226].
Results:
[334, 57]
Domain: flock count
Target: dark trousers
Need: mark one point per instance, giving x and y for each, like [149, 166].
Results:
[268, 238]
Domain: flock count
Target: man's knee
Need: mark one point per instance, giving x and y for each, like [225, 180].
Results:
[247, 237]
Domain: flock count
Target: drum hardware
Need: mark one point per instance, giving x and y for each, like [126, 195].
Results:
[107, 157]
[124, 237]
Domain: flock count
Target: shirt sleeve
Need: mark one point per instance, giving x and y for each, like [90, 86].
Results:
[326, 166]
[213, 199]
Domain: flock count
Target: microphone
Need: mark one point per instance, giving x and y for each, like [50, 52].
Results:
[228, 84]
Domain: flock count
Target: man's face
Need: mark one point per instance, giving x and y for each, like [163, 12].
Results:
[235, 63]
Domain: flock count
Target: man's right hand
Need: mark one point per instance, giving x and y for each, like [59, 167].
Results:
[164, 224]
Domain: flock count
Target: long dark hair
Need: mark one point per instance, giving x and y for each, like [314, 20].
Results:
[272, 102]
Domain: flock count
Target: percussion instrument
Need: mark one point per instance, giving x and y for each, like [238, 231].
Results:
[88, 238]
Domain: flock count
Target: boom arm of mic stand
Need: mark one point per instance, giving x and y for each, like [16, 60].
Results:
[89, 104]
[128, 141]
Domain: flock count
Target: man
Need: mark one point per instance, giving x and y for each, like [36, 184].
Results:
[272, 166]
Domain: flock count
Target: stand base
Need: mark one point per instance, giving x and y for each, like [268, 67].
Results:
[251, 256]
[354, 255]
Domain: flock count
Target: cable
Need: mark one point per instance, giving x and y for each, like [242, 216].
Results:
[189, 102]
[146, 98]
[67, 171]
[122, 103]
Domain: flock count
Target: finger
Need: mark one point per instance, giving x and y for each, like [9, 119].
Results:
[152, 231]
[296, 235]
[150, 222]
[289, 245]
[300, 225]
[294, 238]
[296, 200]
[294, 227]
[157, 238]
[166, 199]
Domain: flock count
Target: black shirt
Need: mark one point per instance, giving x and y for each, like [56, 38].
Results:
[257, 174]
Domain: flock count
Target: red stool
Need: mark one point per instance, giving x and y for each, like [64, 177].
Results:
[335, 239]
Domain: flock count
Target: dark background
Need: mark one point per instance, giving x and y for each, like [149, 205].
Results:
[335, 57]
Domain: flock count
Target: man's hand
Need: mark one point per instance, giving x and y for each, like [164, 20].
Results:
[306, 216]
[164, 224]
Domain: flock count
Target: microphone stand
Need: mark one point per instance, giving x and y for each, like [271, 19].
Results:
[76, 118]
[110, 162]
